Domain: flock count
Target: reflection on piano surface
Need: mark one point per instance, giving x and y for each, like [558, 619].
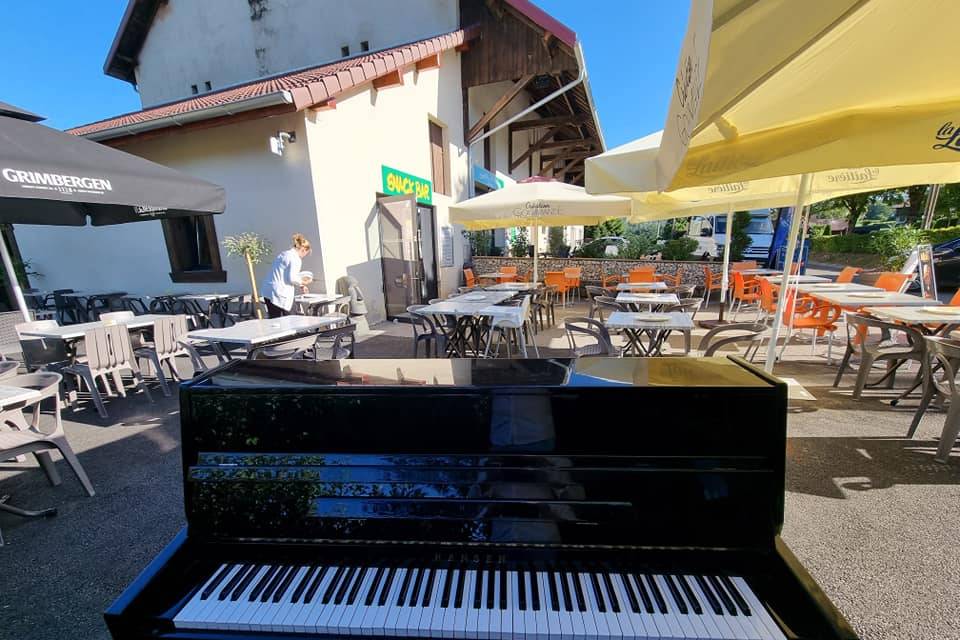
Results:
[540, 499]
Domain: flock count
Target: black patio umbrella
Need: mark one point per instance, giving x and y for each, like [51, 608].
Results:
[53, 178]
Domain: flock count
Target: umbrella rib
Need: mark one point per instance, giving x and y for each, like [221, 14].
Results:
[717, 115]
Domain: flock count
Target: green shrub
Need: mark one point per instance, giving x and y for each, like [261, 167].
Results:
[640, 244]
[590, 250]
[894, 245]
[853, 243]
[936, 236]
[740, 239]
[678, 248]
[519, 244]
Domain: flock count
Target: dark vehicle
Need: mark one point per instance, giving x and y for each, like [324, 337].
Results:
[946, 262]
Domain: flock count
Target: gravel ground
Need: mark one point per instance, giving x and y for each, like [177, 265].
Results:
[869, 513]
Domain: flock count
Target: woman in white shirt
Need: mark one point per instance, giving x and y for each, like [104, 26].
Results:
[284, 279]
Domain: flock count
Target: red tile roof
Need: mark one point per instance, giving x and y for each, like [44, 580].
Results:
[308, 87]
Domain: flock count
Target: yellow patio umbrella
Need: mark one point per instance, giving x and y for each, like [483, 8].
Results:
[534, 202]
[785, 88]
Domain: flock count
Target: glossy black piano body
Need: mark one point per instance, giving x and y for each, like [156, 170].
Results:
[657, 465]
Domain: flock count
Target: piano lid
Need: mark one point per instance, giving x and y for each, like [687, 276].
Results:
[559, 372]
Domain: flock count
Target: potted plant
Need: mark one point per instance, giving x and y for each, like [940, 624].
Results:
[253, 248]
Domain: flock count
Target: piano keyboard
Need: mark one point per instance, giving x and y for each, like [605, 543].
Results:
[483, 603]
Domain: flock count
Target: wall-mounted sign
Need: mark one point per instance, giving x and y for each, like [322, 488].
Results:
[928, 278]
[487, 178]
[398, 183]
[446, 246]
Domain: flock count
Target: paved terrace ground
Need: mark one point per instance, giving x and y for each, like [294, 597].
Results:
[869, 513]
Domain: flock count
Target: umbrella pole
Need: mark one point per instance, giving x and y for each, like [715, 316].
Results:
[536, 251]
[787, 265]
[14, 282]
[725, 282]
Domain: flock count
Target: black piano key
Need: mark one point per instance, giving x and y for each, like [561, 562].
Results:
[264, 581]
[490, 585]
[675, 592]
[245, 582]
[564, 579]
[403, 587]
[611, 594]
[344, 585]
[356, 585]
[736, 595]
[578, 591]
[372, 591]
[221, 575]
[691, 596]
[272, 585]
[415, 589]
[461, 578]
[595, 583]
[552, 586]
[332, 587]
[428, 588]
[724, 598]
[232, 583]
[631, 596]
[314, 586]
[644, 596]
[387, 583]
[534, 590]
[302, 585]
[711, 599]
[503, 588]
[655, 592]
[445, 593]
[522, 589]
[285, 584]
[478, 589]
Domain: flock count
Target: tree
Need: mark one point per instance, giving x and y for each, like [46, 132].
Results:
[614, 227]
[554, 240]
[253, 249]
[855, 205]
[640, 243]
[519, 243]
[739, 238]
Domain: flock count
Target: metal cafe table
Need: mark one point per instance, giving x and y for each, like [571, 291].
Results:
[654, 301]
[465, 335]
[642, 286]
[931, 320]
[255, 334]
[656, 327]
[317, 303]
[71, 333]
[853, 300]
[834, 287]
[515, 287]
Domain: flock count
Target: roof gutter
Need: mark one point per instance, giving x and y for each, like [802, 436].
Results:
[208, 113]
[581, 78]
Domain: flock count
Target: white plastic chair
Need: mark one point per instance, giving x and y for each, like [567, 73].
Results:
[168, 336]
[109, 352]
[515, 320]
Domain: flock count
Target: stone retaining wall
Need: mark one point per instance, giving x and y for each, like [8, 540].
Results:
[595, 268]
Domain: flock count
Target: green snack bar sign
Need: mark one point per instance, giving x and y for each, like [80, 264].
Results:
[398, 183]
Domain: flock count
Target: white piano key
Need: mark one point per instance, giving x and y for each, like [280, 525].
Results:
[696, 620]
[719, 621]
[528, 617]
[211, 617]
[315, 612]
[630, 623]
[352, 624]
[383, 623]
[677, 619]
[483, 613]
[283, 607]
[550, 619]
[736, 625]
[515, 629]
[583, 623]
[611, 618]
[240, 609]
[187, 615]
[705, 619]
[757, 610]
[404, 611]
[366, 624]
[748, 631]
[434, 621]
[448, 622]
[268, 617]
[414, 599]
[284, 620]
[470, 629]
[593, 608]
[572, 619]
[340, 618]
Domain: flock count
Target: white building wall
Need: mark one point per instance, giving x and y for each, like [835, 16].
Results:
[266, 194]
[348, 147]
[227, 42]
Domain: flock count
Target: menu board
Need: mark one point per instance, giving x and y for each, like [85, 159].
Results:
[928, 279]
[446, 246]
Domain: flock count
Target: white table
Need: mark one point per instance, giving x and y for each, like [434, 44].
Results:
[11, 395]
[496, 276]
[322, 300]
[777, 279]
[468, 304]
[835, 287]
[650, 299]
[76, 331]
[634, 326]
[208, 297]
[916, 315]
[465, 335]
[254, 333]
[642, 286]
[857, 300]
[759, 272]
[514, 286]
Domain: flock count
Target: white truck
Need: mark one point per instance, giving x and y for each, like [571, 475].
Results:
[710, 233]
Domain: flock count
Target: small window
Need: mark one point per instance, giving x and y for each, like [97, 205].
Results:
[207, 85]
[193, 250]
[364, 45]
[439, 160]
[194, 90]
[344, 51]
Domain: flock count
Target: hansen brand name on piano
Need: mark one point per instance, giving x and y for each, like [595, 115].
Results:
[55, 181]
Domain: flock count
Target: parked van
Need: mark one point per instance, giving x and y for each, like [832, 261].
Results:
[760, 230]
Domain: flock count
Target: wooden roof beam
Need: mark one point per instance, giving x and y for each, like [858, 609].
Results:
[551, 121]
[542, 140]
[392, 79]
[498, 106]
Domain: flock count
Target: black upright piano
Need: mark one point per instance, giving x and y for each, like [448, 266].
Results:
[490, 499]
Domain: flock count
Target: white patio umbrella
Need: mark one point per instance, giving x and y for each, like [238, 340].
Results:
[534, 202]
[786, 88]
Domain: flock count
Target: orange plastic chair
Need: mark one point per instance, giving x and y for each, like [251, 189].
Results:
[955, 300]
[644, 274]
[892, 281]
[743, 291]
[743, 265]
[610, 282]
[795, 268]
[469, 278]
[711, 282]
[768, 298]
[808, 313]
[573, 274]
[559, 280]
[671, 279]
[509, 274]
[847, 274]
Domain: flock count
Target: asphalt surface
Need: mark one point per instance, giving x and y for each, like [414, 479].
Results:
[869, 514]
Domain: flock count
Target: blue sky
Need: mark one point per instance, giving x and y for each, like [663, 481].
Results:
[55, 49]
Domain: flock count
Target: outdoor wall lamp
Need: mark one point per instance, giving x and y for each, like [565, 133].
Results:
[280, 140]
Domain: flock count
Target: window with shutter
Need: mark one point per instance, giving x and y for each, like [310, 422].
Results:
[438, 156]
